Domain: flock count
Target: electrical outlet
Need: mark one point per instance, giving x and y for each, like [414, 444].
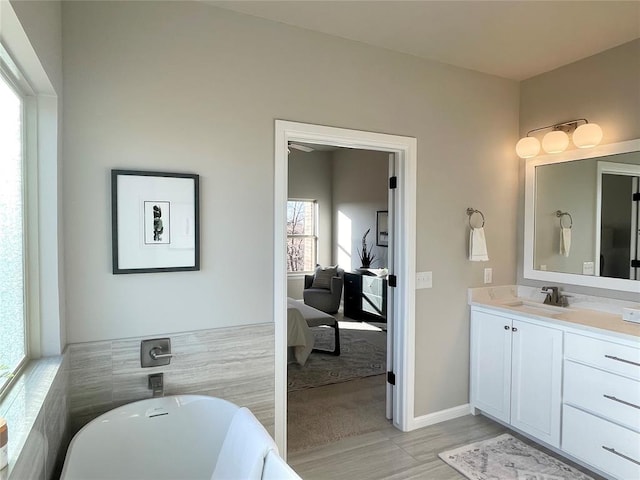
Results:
[588, 268]
[488, 275]
[424, 280]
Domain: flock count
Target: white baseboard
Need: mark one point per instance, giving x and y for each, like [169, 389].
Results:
[441, 416]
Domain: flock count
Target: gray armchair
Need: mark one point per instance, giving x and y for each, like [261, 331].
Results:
[323, 290]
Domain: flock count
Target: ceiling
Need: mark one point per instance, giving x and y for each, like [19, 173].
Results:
[510, 39]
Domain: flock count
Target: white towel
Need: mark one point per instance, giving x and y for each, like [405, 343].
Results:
[478, 246]
[244, 449]
[565, 241]
[275, 468]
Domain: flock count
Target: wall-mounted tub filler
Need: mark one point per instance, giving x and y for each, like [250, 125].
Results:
[155, 352]
[156, 384]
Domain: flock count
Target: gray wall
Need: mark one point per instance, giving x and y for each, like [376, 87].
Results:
[310, 178]
[602, 88]
[569, 187]
[360, 188]
[184, 86]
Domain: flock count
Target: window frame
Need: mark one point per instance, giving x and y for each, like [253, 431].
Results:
[16, 81]
[313, 236]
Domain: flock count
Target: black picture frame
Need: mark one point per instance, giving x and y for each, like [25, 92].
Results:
[382, 228]
[155, 221]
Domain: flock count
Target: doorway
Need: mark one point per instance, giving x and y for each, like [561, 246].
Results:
[402, 308]
[337, 218]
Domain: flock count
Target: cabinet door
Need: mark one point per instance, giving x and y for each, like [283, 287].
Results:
[536, 381]
[352, 295]
[491, 364]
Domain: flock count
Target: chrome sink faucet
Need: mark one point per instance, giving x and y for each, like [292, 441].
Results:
[554, 297]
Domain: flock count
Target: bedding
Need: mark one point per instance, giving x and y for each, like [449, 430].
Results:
[300, 339]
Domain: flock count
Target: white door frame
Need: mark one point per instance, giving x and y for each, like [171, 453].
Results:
[405, 150]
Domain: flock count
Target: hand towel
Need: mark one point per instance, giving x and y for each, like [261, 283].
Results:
[244, 449]
[565, 241]
[478, 246]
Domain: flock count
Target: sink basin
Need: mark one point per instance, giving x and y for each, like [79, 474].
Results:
[535, 308]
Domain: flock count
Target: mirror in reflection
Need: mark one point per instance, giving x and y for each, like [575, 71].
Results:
[587, 216]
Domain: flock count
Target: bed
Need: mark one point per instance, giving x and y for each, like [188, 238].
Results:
[299, 318]
[300, 338]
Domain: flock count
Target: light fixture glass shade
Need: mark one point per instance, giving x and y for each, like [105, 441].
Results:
[528, 147]
[587, 135]
[555, 142]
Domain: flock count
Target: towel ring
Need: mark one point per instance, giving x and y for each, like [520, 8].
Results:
[561, 216]
[470, 212]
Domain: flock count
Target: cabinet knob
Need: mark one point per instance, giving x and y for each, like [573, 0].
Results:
[506, 327]
[514, 329]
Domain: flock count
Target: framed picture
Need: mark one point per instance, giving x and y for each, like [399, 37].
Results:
[382, 228]
[154, 221]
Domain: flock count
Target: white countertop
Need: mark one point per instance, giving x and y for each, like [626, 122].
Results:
[598, 314]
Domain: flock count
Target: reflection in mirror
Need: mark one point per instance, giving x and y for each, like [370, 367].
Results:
[617, 215]
[582, 217]
[603, 235]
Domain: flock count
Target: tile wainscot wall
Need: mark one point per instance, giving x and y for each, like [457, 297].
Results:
[37, 413]
[235, 363]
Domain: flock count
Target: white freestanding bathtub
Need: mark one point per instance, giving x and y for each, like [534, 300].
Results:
[178, 437]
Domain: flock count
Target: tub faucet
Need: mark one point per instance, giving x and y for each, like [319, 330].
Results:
[156, 384]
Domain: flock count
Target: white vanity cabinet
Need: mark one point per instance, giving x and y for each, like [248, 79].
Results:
[516, 372]
[601, 410]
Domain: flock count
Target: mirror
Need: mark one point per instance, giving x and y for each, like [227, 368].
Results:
[581, 222]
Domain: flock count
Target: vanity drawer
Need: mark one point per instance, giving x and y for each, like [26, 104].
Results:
[605, 394]
[609, 356]
[602, 444]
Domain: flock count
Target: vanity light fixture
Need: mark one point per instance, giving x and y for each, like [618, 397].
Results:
[557, 140]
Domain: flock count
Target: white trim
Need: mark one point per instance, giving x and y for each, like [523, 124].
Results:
[442, 416]
[529, 223]
[46, 336]
[405, 149]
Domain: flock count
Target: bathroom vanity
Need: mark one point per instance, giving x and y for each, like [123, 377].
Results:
[568, 377]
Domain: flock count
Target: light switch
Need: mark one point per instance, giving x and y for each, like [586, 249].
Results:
[424, 280]
[488, 275]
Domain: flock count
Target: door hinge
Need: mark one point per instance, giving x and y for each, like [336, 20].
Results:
[393, 182]
[391, 378]
[635, 197]
[635, 263]
[392, 281]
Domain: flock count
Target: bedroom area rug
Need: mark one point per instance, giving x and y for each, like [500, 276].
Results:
[363, 354]
[507, 458]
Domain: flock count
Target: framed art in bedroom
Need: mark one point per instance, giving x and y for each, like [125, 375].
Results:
[154, 221]
[382, 228]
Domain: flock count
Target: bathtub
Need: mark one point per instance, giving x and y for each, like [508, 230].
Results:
[177, 437]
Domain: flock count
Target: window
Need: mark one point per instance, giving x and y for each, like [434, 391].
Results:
[12, 232]
[302, 237]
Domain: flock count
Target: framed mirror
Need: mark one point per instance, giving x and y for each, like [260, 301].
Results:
[582, 217]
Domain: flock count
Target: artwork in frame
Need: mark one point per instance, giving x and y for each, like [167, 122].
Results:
[154, 221]
[382, 228]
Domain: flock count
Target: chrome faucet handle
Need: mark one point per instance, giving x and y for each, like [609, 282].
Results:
[156, 354]
[563, 300]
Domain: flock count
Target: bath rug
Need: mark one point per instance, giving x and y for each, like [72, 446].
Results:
[507, 458]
